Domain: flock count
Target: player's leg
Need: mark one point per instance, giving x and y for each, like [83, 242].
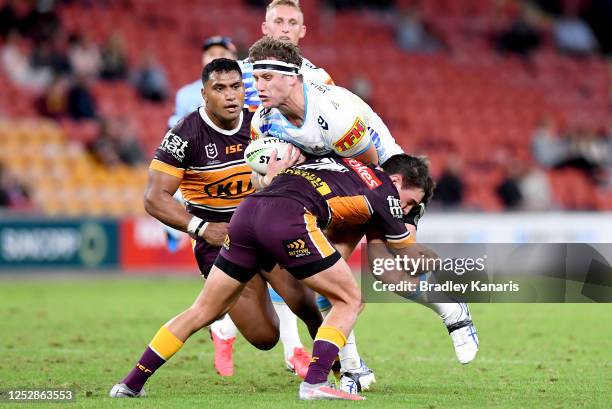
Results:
[218, 295]
[338, 286]
[290, 297]
[354, 370]
[223, 331]
[254, 315]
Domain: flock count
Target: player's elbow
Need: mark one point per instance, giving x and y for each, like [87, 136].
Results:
[151, 200]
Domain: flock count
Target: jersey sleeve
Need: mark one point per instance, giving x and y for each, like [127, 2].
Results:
[256, 122]
[350, 137]
[382, 139]
[387, 217]
[173, 154]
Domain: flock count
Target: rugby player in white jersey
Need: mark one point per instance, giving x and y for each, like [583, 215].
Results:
[324, 119]
[283, 20]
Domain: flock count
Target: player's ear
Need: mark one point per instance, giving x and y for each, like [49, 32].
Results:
[264, 28]
[397, 180]
[302, 31]
[203, 93]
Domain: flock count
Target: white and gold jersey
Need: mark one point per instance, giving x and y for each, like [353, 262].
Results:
[335, 121]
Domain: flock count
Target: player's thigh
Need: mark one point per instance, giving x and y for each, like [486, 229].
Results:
[336, 283]
[254, 314]
[345, 239]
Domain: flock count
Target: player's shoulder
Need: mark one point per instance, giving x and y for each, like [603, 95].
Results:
[189, 89]
[188, 126]
[315, 73]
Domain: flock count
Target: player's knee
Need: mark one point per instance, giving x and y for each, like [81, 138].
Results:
[266, 341]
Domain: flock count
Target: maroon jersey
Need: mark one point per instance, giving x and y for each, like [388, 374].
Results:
[343, 191]
[210, 163]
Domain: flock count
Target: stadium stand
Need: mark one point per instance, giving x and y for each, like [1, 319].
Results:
[467, 99]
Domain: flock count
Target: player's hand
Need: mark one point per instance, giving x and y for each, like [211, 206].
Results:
[293, 157]
[414, 215]
[215, 233]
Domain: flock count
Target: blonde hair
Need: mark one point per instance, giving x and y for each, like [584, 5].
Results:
[291, 3]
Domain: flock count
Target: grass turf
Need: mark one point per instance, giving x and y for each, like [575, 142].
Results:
[87, 334]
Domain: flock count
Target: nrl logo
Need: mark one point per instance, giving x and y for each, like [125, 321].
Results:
[211, 150]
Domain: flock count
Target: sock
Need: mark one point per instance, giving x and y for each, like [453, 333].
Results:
[349, 356]
[288, 329]
[449, 311]
[224, 328]
[161, 348]
[328, 342]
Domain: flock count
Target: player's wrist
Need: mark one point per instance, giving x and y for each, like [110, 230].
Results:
[196, 226]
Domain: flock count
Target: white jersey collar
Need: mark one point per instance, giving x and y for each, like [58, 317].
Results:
[209, 122]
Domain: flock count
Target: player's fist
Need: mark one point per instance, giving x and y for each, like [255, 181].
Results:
[414, 215]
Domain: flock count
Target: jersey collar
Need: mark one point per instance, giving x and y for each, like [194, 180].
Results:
[209, 122]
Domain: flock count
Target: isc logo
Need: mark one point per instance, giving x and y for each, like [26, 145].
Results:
[233, 149]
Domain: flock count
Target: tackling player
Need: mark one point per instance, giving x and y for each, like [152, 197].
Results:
[325, 119]
[282, 224]
[203, 156]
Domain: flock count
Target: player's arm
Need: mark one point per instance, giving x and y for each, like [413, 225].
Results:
[160, 203]
[352, 139]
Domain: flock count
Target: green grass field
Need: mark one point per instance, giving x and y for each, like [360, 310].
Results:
[87, 334]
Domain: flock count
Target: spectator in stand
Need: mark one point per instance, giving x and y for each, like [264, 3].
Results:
[114, 60]
[15, 61]
[54, 102]
[13, 193]
[450, 186]
[81, 104]
[509, 191]
[586, 151]
[84, 56]
[547, 146]
[117, 144]
[535, 189]
[41, 23]
[522, 37]
[573, 35]
[53, 54]
[362, 87]
[413, 35]
[150, 79]
[127, 143]
[8, 17]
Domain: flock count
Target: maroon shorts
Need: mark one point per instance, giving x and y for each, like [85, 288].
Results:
[265, 231]
[205, 255]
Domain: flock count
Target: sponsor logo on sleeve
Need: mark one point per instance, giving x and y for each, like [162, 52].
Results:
[352, 137]
[366, 174]
[296, 248]
[174, 145]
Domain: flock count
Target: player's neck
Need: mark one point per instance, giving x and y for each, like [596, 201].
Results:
[219, 122]
[294, 108]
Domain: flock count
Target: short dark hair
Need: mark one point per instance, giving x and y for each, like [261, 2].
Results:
[220, 65]
[414, 171]
[267, 47]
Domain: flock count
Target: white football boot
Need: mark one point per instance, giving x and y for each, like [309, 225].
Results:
[121, 390]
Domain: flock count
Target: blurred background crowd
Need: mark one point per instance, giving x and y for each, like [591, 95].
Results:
[511, 100]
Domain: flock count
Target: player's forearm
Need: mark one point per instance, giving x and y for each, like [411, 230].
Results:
[164, 208]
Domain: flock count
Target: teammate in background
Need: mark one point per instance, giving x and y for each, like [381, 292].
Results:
[284, 21]
[323, 119]
[189, 97]
[282, 224]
